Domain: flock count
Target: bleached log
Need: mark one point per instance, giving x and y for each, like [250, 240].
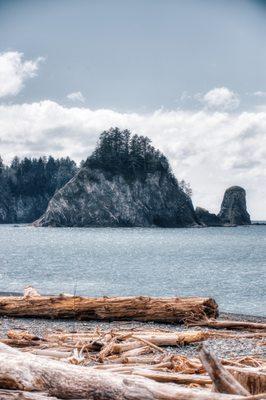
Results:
[223, 381]
[173, 338]
[30, 373]
[161, 309]
[159, 339]
[168, 377]
[227, 324]
[21, 395]
[20, 342]
[137, 352]
[52, 353]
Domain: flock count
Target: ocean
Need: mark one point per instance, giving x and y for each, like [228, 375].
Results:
[228, 264]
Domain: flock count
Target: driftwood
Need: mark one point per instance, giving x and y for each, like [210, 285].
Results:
[227, 324]
[121, 364]
[29, 373]
[161, 376]
[253, 379]
[160, 309]
[21, 395]
[223, 381]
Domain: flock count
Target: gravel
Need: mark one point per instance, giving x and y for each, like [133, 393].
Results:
[223, 348]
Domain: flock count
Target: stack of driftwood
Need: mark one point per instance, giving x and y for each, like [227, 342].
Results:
[128, 363]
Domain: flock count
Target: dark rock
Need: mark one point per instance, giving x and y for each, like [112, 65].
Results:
[22, 209]
[206, 218]
[233, 209]
[92, 198]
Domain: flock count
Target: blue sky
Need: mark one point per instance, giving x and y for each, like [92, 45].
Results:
[189, 74]
[137, 55]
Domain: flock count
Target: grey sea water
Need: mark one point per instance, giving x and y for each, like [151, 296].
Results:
[228, 264]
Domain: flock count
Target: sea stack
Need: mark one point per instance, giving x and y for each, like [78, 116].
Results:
[233, 209]
[124, 183]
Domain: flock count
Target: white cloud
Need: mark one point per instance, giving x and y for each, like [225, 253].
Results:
[220, 99]
[212, 150]
[76, 96]
[14, 71]
[259, 94]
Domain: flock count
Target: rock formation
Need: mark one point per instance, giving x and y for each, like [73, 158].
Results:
[93, 199]
[233, 209]
[125, 182]
[206, 218]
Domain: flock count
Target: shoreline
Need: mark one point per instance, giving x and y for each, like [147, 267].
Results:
[225, 348]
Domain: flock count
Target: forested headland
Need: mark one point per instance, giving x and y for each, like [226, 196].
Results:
[27, 184]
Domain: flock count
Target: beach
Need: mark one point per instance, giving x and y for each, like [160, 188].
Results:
[237, 347]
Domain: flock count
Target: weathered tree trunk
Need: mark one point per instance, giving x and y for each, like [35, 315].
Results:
[223, 381]
[168, 309]
[29, 373]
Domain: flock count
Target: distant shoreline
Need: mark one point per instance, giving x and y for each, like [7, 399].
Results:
[30, 224]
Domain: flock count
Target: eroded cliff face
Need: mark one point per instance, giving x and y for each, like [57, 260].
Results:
[234, 209]
[92, 198]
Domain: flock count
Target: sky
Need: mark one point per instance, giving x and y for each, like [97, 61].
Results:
[188, 74]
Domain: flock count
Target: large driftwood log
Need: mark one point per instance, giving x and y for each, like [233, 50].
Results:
[161, 309]
[28, 372]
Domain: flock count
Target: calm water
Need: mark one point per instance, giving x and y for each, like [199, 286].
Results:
[226, 263]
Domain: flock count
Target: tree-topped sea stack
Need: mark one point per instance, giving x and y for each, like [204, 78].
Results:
[125, 182]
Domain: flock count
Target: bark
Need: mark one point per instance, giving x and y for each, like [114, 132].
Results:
[178, 310]
[223, 381]
[29, 373]
[253, 379]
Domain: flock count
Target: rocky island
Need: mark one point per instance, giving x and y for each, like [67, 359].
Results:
[233, 210]
[125, 182]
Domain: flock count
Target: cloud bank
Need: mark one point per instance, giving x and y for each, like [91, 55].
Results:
[14, 71]
[211, 150]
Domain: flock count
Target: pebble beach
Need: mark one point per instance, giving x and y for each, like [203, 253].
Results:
[229, 348]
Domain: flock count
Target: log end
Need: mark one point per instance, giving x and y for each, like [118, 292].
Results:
[211, 308]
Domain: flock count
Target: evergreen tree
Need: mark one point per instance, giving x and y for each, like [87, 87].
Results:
[118, 152]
